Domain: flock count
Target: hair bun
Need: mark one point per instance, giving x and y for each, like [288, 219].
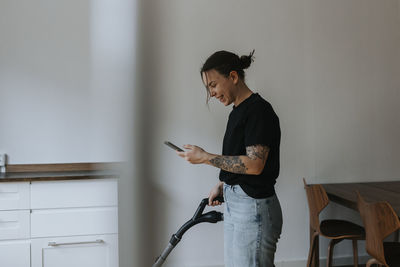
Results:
[245, 61]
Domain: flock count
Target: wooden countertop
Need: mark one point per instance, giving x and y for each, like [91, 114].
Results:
[54, 176]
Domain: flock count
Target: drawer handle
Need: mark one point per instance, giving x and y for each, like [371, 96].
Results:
[54, 244]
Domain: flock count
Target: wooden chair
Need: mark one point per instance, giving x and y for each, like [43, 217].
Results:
[335, 230]
[380, 220]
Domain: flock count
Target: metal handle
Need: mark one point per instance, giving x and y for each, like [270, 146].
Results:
[54, 244]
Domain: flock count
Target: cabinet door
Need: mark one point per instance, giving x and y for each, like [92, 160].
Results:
[74, 194]
[14, 196]
[74, 222]
[14, 224]
[82, 251]
[15, 253]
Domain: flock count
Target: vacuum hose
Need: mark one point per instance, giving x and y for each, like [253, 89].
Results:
[198, 217]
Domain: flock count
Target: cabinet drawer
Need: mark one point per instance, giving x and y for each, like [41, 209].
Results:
[14, 224]
[14, 196]
[74, 221]
[69, 194]
[15, 253]
[79, 251]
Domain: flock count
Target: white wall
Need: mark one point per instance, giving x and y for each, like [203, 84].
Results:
[331, 70]
[66, 80]
[67, 93]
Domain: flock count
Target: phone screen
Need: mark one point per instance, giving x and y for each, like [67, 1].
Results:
[174, 147]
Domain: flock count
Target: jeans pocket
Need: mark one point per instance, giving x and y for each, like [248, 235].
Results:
[243, 209]
[240, 193]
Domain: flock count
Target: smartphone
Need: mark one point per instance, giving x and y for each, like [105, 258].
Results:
[174, 147]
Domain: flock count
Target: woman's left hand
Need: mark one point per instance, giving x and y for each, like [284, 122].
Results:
[194, 154]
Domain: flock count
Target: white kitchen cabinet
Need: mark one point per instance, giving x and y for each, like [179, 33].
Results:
[71, 194]
[14, 196]
[59, 223]
[76, 221]
[80, 251]
[15, 253]
[14, 224]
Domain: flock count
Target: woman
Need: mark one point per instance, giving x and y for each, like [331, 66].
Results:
[249, 164]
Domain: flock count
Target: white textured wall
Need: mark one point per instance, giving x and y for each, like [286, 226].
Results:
[65, 80]
[67, 76]
[330, 68]
[44, 70]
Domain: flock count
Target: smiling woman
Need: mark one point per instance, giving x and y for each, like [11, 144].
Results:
[213, 69]
[249, 163]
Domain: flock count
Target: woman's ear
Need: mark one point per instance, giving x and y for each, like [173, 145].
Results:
[234, 76]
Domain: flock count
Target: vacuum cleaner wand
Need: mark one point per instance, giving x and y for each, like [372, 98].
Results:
[198, 217]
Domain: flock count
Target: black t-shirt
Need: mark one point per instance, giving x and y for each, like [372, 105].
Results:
[253, 122]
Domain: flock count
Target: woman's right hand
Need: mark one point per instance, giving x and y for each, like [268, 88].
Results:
[215, 192]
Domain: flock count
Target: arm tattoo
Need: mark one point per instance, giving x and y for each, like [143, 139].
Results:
[257, 152]
[229, 163]
[235, 164]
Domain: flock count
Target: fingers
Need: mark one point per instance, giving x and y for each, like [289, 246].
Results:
[215, 203]
[210, 199]
[193, 154]
[185, 156]
[181, 154]
[212, 202]
[188, 146]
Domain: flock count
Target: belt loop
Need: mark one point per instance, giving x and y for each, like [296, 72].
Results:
[233, 188]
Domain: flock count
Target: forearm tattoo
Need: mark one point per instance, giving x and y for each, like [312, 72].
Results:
[257, 152]
[229, 163]
[235, 164]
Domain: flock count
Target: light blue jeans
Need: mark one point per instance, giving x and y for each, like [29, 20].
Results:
[252, 228]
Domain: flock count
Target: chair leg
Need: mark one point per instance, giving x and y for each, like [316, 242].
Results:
[330, 251]
[355, 253]
[312, 249]
[396, 236]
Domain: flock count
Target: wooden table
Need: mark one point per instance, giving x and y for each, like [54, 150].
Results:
[345, 194]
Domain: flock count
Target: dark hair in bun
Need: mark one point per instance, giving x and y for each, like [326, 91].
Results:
[224, 62]
[247, 60]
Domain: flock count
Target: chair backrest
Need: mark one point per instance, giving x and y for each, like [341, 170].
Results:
[380, 220]
[317, 201]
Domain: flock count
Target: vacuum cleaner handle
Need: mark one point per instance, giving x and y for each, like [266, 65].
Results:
[218, 198]
[198, 217]
[202, 206]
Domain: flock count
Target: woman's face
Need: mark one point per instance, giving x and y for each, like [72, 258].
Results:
[219, 86]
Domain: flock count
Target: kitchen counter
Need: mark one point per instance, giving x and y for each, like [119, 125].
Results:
[47, 211]
[59, 175]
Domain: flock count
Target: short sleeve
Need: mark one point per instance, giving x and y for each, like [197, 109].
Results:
[260, 125]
